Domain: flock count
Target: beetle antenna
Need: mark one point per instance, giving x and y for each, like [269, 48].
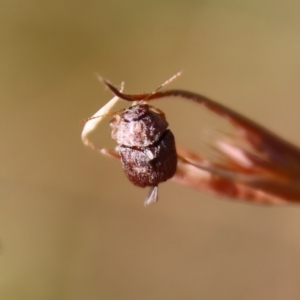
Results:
[103, 115]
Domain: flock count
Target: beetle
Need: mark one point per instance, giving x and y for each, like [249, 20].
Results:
[146, 146]
[257, 166]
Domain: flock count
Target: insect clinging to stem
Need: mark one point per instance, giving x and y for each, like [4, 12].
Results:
[146, 146]
[256, 165]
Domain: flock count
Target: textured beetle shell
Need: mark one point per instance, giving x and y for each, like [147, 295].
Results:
[151, 165]
[146, 146]
[139, 127]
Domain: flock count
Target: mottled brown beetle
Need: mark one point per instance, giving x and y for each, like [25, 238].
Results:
[145, 144]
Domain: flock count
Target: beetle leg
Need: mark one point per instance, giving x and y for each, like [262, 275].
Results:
[114, 123]
[152, 196]
[110, 153]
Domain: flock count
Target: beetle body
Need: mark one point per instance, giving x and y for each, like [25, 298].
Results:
[146, 146]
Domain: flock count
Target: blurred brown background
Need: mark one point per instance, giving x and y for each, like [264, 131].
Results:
[71, 225]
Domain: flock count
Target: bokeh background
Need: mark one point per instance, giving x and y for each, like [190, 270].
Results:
[71, 225]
